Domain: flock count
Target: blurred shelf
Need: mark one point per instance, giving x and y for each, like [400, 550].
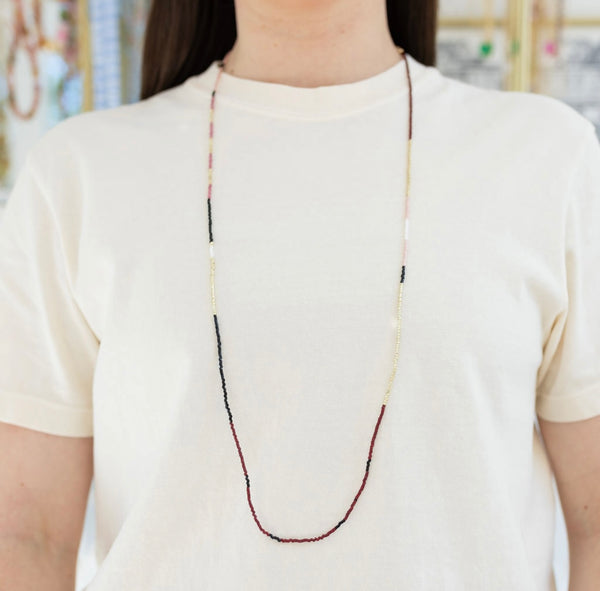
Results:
[500, 22]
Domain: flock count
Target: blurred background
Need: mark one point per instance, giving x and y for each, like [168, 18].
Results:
[62, 57]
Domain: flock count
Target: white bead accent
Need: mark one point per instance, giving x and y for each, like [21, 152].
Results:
[211, 250]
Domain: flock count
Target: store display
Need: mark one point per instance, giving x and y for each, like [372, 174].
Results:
[104, 19]
[487, 45]
[134, 14]
[29, 41]
[67, 47]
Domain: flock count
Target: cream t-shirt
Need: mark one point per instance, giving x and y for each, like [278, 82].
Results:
[106, 328]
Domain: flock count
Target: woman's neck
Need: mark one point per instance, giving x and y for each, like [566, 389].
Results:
[311, 43]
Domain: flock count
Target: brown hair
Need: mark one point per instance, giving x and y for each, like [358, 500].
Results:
[183, 37]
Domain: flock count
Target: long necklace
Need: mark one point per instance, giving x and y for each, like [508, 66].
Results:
[221, 64]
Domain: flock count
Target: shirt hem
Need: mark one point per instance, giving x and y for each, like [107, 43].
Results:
[575, 407]
[41, 415]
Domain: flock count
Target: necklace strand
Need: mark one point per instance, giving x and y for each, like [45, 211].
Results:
[221, 64]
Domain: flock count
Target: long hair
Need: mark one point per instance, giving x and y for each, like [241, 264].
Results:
[183, 37]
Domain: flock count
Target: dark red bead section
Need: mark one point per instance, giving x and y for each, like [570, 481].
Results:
[241, 455]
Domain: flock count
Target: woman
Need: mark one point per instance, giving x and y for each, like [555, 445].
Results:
[208, 283]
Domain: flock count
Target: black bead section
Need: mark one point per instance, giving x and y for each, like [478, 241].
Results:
[221, 368]
[213, 93]
[210, 235]
[368, 462]
[403, 273]
[340, 523]
[275, 537]
[247, 481]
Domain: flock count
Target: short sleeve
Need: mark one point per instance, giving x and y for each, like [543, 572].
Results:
[568, 388]
[47, 349]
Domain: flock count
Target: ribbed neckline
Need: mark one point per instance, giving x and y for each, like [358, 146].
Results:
[319, 101]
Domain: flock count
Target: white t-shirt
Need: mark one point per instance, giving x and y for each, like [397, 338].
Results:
[107, 330]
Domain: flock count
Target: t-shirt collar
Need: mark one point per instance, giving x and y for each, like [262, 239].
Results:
[314, 101]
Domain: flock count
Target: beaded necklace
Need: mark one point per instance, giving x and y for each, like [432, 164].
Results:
[22, 38]
[221, 64]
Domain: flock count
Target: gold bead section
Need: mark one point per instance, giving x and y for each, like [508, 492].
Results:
[396, 353]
